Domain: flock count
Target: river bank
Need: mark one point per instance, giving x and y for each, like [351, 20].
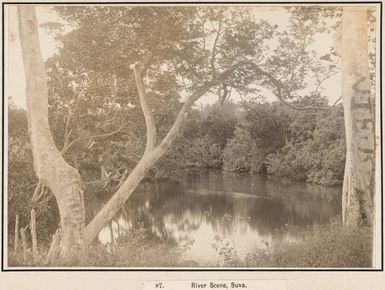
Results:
[328, 246]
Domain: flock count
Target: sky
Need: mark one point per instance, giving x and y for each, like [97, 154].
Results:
[15, 73]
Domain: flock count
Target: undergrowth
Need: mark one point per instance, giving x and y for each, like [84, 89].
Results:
[327, 246]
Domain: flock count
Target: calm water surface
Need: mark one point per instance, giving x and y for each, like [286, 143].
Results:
[248, 212]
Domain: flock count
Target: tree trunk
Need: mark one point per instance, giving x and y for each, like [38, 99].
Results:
[358, 187]
[63, 180]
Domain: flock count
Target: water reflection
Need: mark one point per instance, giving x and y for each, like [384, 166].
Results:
[249, 211]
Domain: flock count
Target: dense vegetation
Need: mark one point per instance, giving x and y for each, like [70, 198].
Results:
[261, 138]
[269, 139]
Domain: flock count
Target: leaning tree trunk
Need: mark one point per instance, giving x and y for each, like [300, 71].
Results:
[62, 179]
[149, 158]
[358, 187]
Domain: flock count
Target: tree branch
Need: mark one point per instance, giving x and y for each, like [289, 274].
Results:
[336, 102]
[320, 81]
[68, 130]
[214, 50]
[64, 150]
[148, 117]
[281, 87]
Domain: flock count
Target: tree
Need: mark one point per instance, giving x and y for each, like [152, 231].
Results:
[62, 179]
[351, 43]
[358, 188]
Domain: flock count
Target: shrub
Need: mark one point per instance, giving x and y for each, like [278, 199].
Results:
[22, 180]
[238, 152]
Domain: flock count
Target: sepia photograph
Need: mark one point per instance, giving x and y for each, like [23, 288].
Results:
[192, 136]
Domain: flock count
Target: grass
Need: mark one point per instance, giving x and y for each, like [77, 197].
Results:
[329, 246]
[132, 250]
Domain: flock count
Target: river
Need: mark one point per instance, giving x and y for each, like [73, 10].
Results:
[207, 210]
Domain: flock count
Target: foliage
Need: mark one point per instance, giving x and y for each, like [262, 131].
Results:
[261, 129]
[330, 246]
[131, 250]
[316, 151]
[22, 179]
[239, 152]
[226, 249]
[202, 140]
[218, 122]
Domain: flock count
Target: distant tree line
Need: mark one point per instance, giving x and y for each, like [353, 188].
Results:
[269, 139]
